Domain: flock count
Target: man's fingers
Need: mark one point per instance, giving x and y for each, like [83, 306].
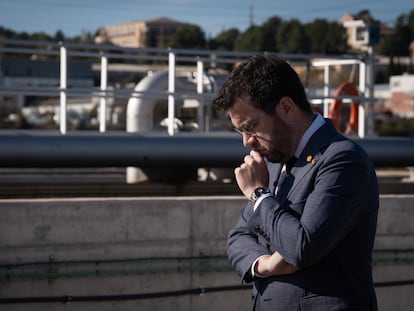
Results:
[248, 158]
[256, 156]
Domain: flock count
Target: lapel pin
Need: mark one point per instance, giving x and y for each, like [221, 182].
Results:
[310, 159]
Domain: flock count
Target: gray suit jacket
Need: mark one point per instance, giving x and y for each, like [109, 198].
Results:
[323, 220]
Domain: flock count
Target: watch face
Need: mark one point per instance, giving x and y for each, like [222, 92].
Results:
[257, 193]
[260, 191]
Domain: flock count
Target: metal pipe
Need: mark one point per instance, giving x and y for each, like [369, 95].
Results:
[79, 149]
[119, 149]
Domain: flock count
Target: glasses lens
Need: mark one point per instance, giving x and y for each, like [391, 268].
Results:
[238, 131]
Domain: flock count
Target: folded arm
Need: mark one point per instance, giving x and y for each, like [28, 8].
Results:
[250, 256]
[272, 265]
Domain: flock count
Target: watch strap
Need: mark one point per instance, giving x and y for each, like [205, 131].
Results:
[257, 193]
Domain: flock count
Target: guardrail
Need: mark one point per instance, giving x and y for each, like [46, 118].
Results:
[171, 59]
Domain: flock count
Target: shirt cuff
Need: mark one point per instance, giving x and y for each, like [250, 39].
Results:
[253, 273]
[260, 199]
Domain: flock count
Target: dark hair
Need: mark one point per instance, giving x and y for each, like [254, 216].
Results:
[264, 80]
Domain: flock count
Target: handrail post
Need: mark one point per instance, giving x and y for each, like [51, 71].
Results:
[370, 92]
[63, 88]
[361, 106]
[103, 97]
[171, 90]
[326, 89]
[200, 111]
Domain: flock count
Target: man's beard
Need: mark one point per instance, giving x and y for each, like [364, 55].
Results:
[277, 151]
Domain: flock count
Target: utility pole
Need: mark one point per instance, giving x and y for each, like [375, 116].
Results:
[251, 21]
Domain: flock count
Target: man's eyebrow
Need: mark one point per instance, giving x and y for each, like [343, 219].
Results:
[246, 124]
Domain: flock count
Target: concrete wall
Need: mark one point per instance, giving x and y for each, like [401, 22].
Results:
[165, 241]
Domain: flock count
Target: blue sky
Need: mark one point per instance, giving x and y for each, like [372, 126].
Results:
[76, 16]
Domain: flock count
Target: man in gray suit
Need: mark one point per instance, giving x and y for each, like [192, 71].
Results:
[305, 239]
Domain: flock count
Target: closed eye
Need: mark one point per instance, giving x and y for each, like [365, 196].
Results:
[249, 128]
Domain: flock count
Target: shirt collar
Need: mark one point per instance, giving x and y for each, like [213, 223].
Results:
[315, 125]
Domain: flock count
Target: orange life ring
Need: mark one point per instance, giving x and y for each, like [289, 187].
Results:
[345, 89]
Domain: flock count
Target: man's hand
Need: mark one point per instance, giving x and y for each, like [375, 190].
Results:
[252, 173]
[272, 265]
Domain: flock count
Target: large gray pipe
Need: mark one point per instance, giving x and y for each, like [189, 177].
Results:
[117, 149]
[120, 149]
[140, 110]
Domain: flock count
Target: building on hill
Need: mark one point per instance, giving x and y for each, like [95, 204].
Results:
[363, 32]
[145, 33]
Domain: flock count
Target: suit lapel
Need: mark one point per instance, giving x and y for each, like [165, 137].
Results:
[309, 157]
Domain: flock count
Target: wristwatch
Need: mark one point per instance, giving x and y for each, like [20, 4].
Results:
[257, 193]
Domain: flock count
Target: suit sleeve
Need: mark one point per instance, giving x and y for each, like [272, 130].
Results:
[336, 202]
[243, 246]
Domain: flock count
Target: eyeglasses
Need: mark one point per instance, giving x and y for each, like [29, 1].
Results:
[249, 129]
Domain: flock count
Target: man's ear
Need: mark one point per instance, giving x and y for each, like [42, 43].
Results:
[286, 108]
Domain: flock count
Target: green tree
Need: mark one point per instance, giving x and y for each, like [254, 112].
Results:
[251, 40]
[87, 37]
[260, 38]
[191, 37]
[411, 22]
[40, 36]
[6, 33]
[398, 43]
[292, 37]
[226, 40]
[326, 37]
[59, 36]
[269, 29]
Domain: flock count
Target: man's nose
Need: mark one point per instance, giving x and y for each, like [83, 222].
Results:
[247, 139]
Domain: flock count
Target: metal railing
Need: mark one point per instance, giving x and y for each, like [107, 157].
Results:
[171, 59]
